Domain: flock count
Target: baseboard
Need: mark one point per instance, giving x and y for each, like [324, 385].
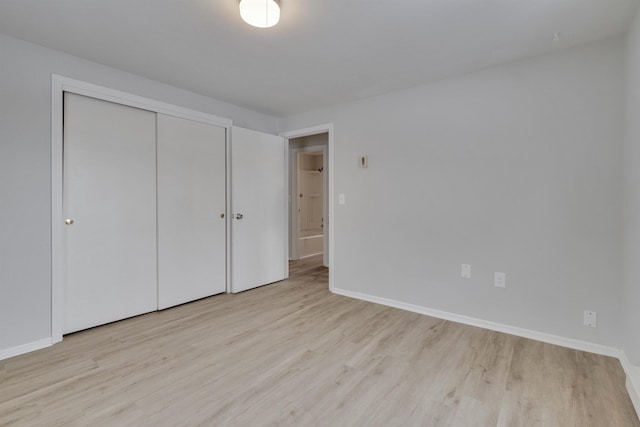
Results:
[633, 388]
[633, 381]
[310, 255]
[494, 326]
[25, 348]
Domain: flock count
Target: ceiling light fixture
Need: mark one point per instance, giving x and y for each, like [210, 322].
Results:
[260, 13]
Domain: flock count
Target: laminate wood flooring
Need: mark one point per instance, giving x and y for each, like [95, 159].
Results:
[292, 353]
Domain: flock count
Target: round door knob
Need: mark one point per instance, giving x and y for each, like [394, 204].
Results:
[239, 216]
[221, 215]
[68, 221]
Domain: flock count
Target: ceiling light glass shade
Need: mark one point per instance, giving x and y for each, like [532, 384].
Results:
[260, 13]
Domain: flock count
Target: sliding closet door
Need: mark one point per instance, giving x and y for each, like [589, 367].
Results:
[110, 210]
[191, 207]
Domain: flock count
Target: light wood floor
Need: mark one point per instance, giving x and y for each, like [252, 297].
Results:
[292, 353]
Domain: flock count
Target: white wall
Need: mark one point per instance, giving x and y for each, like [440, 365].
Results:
[517, 168]
[632, 196]
[25, 184]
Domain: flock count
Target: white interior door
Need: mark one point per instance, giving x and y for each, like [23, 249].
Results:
[258, 198]
[191, 207]
[110, 195]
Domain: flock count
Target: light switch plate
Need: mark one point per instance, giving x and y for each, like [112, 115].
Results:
[499, 280]
[341, 199]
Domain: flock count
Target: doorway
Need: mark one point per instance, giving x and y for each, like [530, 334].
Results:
[309, 196]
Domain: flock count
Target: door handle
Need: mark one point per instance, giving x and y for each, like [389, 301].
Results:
[239, 216]
[68, 221]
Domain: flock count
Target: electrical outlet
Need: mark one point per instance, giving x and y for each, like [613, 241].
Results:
[499, 280]
[590, 318]
[466, 271]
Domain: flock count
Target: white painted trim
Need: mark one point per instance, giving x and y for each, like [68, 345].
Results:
[633, 388]
[59, 85]
[328, 128]
[494, 326]
[25, 348]
[633, 381]
[285, 257]
[310, 255]
[227, 215]
[326, 227]
[107, 94]
[292, 182]
[57, 237]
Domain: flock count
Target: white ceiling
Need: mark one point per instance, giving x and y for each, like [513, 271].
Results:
[323, 52]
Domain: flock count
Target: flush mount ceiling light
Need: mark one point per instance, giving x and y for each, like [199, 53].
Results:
[260, 13]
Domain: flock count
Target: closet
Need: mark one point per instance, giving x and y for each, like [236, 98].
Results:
[144, 202]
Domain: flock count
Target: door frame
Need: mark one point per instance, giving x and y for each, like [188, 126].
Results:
[61, 84]
[308, 131]
[293, 225]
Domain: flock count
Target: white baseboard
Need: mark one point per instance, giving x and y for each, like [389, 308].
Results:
[310, 255]
[25, 348]
[633, 381]
[633, 388]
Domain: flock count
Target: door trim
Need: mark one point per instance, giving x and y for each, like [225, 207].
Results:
[59, 85]
[313, 130]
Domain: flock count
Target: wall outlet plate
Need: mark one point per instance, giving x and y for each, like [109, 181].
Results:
[590, 318]
[465, 271]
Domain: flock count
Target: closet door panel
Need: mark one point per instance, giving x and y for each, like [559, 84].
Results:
[110, 198]
[259, 198]
[191, 200]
